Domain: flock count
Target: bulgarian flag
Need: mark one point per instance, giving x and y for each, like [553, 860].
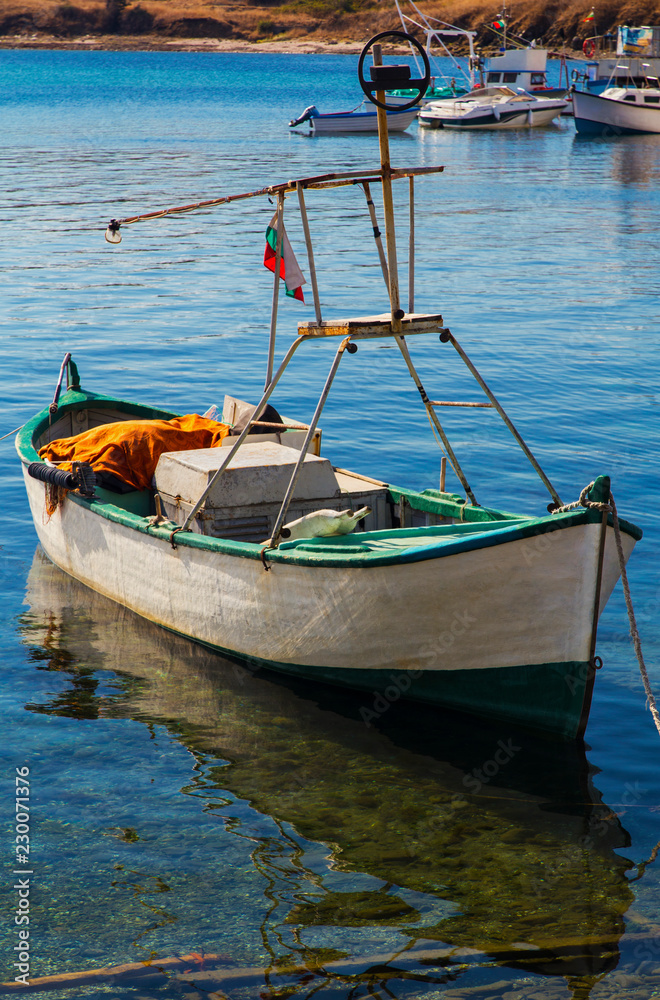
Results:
[289, 269]
[500, 24]
[590, 16]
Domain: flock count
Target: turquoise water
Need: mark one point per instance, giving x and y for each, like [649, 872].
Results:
[183, 805]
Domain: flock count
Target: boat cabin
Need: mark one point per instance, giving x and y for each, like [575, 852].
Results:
[633, 95]
[524, 68]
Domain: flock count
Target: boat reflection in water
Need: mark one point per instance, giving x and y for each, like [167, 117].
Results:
[492, 849]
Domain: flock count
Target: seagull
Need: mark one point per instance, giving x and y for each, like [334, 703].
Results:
[324, 522]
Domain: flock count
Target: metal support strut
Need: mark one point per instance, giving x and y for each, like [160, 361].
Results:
[275, 537]
[403, 346]
[377, 233]
[448, 336]
[270, 388]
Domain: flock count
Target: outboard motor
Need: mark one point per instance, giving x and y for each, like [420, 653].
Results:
[311, 112]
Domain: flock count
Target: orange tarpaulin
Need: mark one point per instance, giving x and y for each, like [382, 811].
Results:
[130, 449]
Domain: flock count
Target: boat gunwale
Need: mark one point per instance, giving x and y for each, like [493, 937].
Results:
[617, 100]
[500, 528]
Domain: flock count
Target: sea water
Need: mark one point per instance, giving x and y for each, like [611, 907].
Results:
[180, 804]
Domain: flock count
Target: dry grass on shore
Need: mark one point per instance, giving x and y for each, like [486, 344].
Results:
[296, 24]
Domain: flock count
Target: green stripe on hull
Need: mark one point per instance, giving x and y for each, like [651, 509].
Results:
[547, 697]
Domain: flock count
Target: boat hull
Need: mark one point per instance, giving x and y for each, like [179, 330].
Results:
[503, 630]
[489, 119]
[596, 115]
[364, 121]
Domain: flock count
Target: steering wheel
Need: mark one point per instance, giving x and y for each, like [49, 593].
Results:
[395, 77]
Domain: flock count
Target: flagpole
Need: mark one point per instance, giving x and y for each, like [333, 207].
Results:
[276, 289]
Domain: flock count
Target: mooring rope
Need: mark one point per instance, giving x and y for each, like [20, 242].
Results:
[634, 632]
[5, 436]
[583, 502]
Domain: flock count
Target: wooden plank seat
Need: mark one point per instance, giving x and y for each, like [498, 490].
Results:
[362, 327]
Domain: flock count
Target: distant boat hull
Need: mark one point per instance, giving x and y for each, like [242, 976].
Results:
[531, 118]
[486, 117]
[362, 121]
[354, 121]
[598, 115]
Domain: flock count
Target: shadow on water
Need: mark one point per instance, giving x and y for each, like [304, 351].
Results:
[492, 849]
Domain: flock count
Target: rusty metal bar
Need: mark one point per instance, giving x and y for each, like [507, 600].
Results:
[339, 179]
[58, 388]
[275, 539]
[447, 335]
[377, 233]
[438, 402]
[268, 391]
[401, 341]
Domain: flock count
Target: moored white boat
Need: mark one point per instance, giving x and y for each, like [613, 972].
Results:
[618, 111]
[630, 59]
[358, 120]
[468, 607]
[492, 108]
[524, 68]
[437, 597]
[436, 34]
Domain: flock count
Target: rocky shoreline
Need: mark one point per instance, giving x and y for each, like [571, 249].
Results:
[111, 43]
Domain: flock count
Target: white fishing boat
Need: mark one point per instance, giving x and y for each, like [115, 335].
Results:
[247, 544]
[523, 66]
[525, 69]
[618, 111]
[436, 34]
[360, 119]
[492, 108]
[629, 58]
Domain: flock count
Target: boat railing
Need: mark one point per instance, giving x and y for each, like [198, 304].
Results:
[434, 32]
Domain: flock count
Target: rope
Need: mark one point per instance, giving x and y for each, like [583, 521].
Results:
[643, 865]
[583, 502]
[4, 436]
[634, 633]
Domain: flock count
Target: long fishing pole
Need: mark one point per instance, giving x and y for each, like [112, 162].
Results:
[339, 179]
